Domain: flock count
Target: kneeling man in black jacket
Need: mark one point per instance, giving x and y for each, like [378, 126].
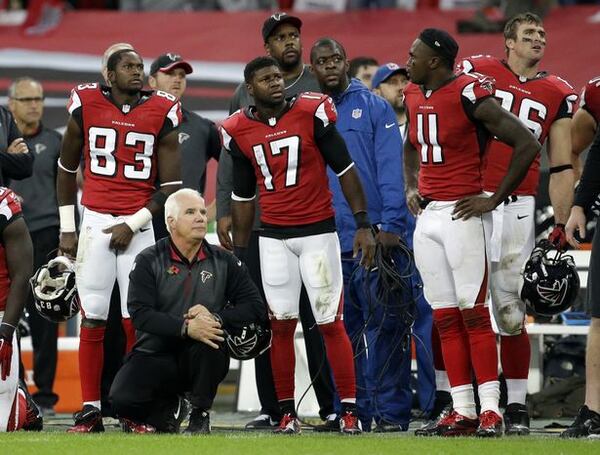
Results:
[183, 292]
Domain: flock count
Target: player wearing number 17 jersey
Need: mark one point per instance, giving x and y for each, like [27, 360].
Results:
[127, 139]
[545, 104]
[450, 120]
[285, 146]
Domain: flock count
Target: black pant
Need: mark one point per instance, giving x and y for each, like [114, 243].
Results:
[44, 334]
[318, 366]
[147, 386]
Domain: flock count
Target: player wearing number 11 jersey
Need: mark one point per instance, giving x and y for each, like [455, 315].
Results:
[285, 146]
[126, 138]
[450, 120]
[545, 104]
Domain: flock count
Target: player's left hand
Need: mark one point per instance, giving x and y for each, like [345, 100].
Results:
[6, 349]
[558, 237]
[365, 243]
[197, 310]
[473, 206]
[121, 236]
[387, 240]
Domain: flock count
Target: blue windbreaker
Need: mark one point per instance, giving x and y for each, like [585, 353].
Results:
[368, 125]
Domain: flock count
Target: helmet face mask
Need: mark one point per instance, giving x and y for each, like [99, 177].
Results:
[247, 342]
[54, 290]
[549, 281]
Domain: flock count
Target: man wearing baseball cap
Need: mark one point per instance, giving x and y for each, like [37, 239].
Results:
[198, 137]
[281, 38]
[389, 82]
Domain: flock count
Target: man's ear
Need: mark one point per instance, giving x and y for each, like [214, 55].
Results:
[152, 82]
[250, 89]
[267, 49]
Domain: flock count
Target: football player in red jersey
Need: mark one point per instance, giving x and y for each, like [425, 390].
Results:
[545, 104]
[284, 147]
[17, 410]
[587, 117]
[127, 138]
[450, 119]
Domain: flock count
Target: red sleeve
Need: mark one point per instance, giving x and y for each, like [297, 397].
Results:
[475, 91]
[10, 207]
[590, 98]
[323, 110]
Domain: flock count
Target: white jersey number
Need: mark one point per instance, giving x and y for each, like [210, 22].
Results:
[527, 107]
[103, 145]
[429, 141]
[291, 145]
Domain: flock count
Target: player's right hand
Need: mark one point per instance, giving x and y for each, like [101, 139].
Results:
[121, 235]
[365, 243]
[577, 221]
[67, 244]
[223, 231]
[18, 146]
[206, 330]
[197, 310]
[6, 350]
[413, 200]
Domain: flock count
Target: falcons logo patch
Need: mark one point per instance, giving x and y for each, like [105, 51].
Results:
[205, 276]
[556, 294]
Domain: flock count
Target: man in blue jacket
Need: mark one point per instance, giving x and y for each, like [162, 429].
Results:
[368, 125]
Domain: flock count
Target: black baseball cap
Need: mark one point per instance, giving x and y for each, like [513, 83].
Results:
[440, 41]
[276, 20]
[168, 62]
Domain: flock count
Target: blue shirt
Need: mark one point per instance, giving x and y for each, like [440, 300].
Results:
[368, 124]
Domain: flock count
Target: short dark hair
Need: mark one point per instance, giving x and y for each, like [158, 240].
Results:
[510, 28]
[116, 57]
[357, 62]
[257, 64]
[326, 42]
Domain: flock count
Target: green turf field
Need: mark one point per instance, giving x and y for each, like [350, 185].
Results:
[264, 443]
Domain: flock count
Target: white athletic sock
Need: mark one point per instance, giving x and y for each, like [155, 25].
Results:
[489, 395]
[442, 384]
[464, 401]
[517, 390]
[96, 404]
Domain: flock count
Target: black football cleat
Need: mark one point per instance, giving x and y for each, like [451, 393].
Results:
[516, 420]
[586, 425]
[34, 420]
[430, 428]
[88, 420]
[262, 422]
[199, 422]
[331, 425]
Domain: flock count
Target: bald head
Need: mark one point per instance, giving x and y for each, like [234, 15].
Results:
[328, 43]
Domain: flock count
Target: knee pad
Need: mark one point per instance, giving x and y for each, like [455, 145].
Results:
[509, 315]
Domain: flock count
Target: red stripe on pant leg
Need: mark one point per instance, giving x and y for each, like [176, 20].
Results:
[436, 347]
[18, 412]
[483, 289]
[283, 357]
[91, 360]
[515, 354]
[341, 360]
[482, 343]
[129, 330]
[455, 345]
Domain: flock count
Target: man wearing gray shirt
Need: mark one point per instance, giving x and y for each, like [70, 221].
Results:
[198, 137]
[281, 36]
[40, 209]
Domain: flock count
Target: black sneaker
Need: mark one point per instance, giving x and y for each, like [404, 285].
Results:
[430, 428]
[262, 422]
[88, 420]
[388, 427]
[34, 420]
[199, 422]
[331, 425]
[586, 424]
[516, 420]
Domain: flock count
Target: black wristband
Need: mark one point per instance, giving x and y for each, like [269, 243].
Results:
[7, 330]
[362, 220]
[564, 167]
[159, 197]
[241, 252]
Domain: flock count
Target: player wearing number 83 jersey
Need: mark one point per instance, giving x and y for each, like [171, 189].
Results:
[126, 138]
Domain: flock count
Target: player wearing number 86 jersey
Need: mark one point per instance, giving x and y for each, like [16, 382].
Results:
[127, 139]
[545, 104]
